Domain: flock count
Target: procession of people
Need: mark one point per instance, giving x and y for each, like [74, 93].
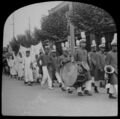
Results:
[99, 67]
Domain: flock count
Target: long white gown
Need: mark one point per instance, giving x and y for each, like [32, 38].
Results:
[20, 67]
[28, 70]
[11, 64]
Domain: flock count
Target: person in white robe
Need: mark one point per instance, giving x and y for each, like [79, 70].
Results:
[20, 66]
[11, 64]
[28, 69]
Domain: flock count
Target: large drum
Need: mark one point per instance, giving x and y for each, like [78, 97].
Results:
[69, 73]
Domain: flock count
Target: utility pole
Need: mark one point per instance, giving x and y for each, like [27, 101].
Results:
[72, 37]
[29, 29]
[13, 26]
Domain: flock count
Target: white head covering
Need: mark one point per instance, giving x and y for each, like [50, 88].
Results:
[66, 44]
[77, 42]
[83, 35]
[54, 48]
[103, 40]
[93, 43]
[114, 41]
[28, 49]
[62, 45]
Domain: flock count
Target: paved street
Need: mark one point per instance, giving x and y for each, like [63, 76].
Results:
[18, 99]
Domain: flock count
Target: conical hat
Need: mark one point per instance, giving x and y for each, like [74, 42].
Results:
[93, 43]
[114, 41]
[103, 40]
[83, 36]
[54, 47]
[66, 44]
[77, 42]
[62, 45]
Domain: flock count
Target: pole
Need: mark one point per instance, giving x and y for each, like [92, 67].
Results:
[72, 37]
[29, 29]
[13, 27]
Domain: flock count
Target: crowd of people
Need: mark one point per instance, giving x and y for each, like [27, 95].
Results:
[46, 66]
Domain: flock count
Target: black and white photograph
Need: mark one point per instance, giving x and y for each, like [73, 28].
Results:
[59, 58]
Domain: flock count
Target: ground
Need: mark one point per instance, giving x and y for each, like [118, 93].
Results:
[21, 100]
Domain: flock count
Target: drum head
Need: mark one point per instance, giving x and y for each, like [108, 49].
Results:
[69, 73]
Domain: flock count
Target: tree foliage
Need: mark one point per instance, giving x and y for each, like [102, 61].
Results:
[91, 18]
[55, 25]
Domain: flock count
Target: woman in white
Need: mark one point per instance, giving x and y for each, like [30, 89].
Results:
[11, 64]
[28, 68]
[20, 66]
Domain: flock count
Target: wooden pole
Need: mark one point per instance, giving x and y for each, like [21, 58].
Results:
[13, 27]
[29, 29]
[72, 37]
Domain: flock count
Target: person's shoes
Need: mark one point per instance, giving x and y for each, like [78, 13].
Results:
[93, 84]
[112, 97]
[25, 83]
[30, 83]
[86, 92]
[51, 88]
[83, 88]
[96, 89]
[70, 91]
[101, 84]
[80, 94]
[108, 90]
[63, 89]
[60, 85]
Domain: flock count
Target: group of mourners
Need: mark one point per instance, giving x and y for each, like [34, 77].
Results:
[46, 67]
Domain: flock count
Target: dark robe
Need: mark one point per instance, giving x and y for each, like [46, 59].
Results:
[82, 56]
[100, 64]
[92, 61]
[111, 59]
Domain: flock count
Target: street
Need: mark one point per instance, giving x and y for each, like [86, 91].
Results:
[21, 100]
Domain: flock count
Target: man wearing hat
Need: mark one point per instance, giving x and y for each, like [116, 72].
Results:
[111, 59]
[92, 60]
[82, 56]
[100, 62]
[20, 66]
[46, 61]
[56, 65]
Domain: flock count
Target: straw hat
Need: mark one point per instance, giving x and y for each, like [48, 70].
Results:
[114, 41]
[93, 43]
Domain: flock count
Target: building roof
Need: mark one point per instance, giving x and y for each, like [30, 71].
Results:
[58, 7]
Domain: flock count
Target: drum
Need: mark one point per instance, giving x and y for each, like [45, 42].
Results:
[69, 73]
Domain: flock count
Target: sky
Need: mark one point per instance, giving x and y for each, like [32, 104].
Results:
[22, 16]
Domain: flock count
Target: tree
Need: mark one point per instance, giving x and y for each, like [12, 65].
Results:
[91, 18]
[14, 45]
[55, 25]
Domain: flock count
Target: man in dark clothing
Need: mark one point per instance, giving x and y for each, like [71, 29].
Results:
[45, 61]
[56, 67]
[111, 59]
[81, 55]
[92, 55]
